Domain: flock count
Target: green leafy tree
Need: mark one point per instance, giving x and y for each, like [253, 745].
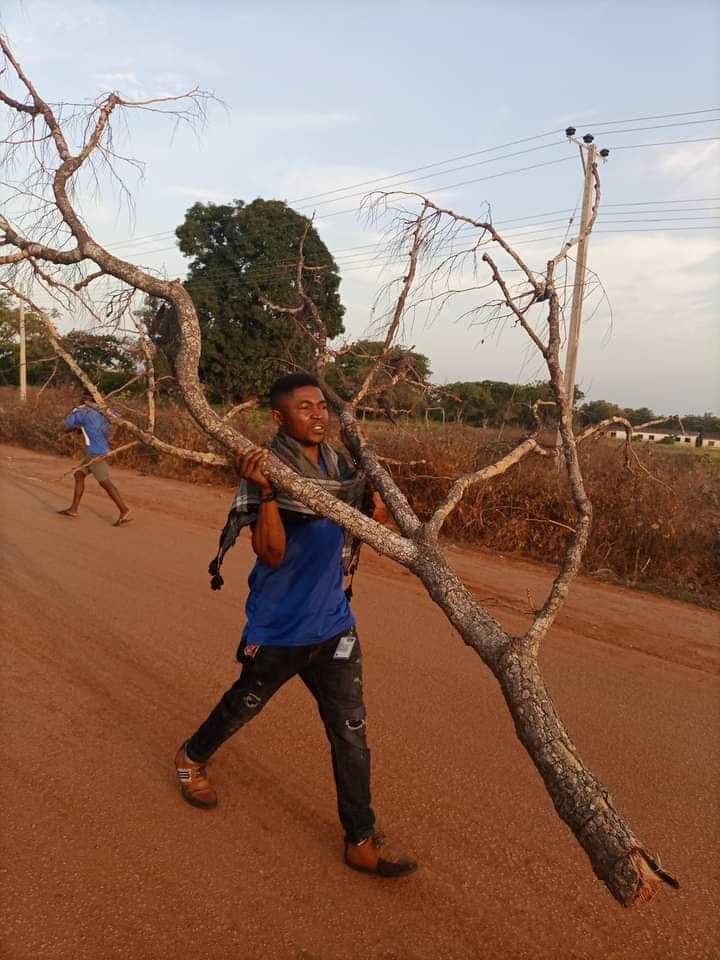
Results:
[707, 423]
[106, 358]
[639, 415]
[348, 371]
[467, 401]
[37, 345]
[241, 253]
[594, 411]
[496, 402]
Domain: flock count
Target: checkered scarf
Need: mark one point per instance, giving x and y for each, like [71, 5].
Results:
[343, 480]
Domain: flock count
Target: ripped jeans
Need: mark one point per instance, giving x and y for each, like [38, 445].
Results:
[336, 685]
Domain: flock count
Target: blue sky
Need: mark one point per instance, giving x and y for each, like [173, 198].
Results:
[324, 95]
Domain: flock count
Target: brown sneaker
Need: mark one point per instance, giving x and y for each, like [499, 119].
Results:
[193, 780]
[366, 858]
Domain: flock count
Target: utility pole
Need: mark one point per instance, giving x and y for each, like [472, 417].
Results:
[23, 356]
[588, 155]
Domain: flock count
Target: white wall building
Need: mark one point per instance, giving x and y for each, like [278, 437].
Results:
[656, 434]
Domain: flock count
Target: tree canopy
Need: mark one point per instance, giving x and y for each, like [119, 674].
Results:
[495, 402]
[349, 369]
[241, 253]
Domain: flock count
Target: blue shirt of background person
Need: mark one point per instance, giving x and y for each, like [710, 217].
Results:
[94, 426]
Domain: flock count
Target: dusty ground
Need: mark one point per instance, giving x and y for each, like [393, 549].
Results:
[114, 648]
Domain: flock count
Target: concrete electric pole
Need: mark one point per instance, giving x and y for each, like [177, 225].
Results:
[588, 154]
[23, 356]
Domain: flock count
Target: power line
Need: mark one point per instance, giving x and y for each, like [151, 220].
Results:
[440, 163]
[512, 143]
[345, 254]
[463, 183]
[658, 116]
[546, 163]
[662, 143]
[645, 203]
[364, 262]
[429, 176]
[490, 160]
[638, 203]
[427, 166]
[278, 270]
[390, 187]
[606, 212]
[529, 240]
[661, 126]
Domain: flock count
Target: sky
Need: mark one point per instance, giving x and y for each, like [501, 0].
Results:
[319, 97]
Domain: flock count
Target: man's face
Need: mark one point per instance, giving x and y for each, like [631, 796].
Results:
[303, 415]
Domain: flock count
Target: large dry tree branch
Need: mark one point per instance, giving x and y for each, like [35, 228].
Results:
[514, 661]
[629, 871]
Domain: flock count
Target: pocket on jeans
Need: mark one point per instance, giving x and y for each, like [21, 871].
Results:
[246, 652]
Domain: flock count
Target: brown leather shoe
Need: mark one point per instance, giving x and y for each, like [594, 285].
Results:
[193, 780]
[366, 858]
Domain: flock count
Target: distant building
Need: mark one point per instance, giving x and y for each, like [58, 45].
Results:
[656, 434]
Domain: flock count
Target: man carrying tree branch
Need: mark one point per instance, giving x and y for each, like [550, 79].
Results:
[95, 428]
[299, 621]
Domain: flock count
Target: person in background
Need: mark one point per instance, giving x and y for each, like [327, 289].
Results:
[95, 428]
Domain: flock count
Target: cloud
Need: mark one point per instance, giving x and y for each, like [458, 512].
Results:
[317, 178]
[269, 124]
[694, 165]
[190, 192]
[117, 79]
[303, 120]
[36, 27]
[664, 346]
[153, 86]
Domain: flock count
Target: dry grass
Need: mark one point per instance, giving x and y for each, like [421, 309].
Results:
[657, 527]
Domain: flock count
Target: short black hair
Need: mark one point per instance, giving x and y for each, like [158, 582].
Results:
[284, 386]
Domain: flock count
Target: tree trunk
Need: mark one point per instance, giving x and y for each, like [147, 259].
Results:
[628, 871]
[580, 799]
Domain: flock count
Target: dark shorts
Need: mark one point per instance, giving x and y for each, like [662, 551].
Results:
[99, 469]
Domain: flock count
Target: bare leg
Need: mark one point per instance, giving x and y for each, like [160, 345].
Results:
[112, 491]
[72, 511]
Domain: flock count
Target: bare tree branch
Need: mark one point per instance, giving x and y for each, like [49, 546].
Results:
[240, 408]
[417, 242]
[464, 483]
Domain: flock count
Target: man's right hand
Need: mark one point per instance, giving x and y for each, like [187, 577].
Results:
[250, 466]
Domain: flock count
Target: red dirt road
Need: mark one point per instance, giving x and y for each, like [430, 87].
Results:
[114, 648]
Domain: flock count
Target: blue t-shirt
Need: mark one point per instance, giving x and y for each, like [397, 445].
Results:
[95, 429]
[302, 601]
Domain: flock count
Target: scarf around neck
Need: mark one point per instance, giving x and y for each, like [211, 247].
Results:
[343, 480]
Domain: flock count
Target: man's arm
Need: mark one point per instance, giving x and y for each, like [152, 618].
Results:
[268, 537]
[72, 422]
